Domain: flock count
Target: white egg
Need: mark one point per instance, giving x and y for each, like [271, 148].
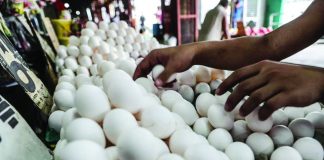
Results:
[59, 147]
[69, 116]
[120, 48]
[59, 62]
[85, 129]
[128, 66]
[136, 47]
[156, 71]
[103, 25]
[120, 40]
[94, 42]
[260, 143]
[94, 70]
[312, 108]
[91, 102]
[219, 118]
[71, 63]
[169, 98]
[74, 40]
[97, 58]
[85, 61]
[222, 99]
[87, 32]
[294, 112]
[143, 53]
[301, 127]
[187, 93]
[203, 74]
[65, 85]
[135, 55]
[202, 88]
[279, 117]
[113, 26]
[85, 50]
[128, 48]
[281, 136]
[117, 122]
[131, 31]
[84, 40]
[129, 39]
[138, 144]
[68, 72]
[111, 34]
[104, 48]
[185, 110]
[101, 33]
[202, 127]
[66, 78]
[97, 80]
[115, 76]
[284, 153]
[139, 60]
[220, 139]
[91, 25]
[214, 84]
[309, 148]
[82, 79]
[73, 51]
[316, 118]
[64, 99]
[145, 46]
[62, 51]
[82, 70]
[105, 67]
[148, 84]
[240, 131]
[82, 150]
[187, 78]
[236, 111]
[180, 123]
[169, 156]
[182, 139]
[203, 102]
[202, 152]
[239, 151]
[112, 153]
[257, 125]
[55, 120]
[139, 38]
[122, 25]
[121, 32]
[159, 121]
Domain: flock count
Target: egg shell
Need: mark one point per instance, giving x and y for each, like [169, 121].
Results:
[169, 98]
[281, 136]
[66, 78]
[64, 99]
[128, 66]
[94, 42]
[104, 48]
[137, 47]
[202, 126]
[85, 61]
[94, 70]
[187, 93]
[236, 111]
[240, 131]
[257, 125]
[111, 42]
[202, 88]
[279, 117]
[55, 120]
[312, 108]
[202, 152]
[111, 34]
[70, 115]
[62, 51]
[103, 25]
[148, 84]
[73, 51]
[85, 50]
[59, 147]
[203, 74]
[260, 143]
[221, 99]
[128, 48]
[97, 80]
[170, 156]
[239, 151]
[301, 127]
[71, 63]
[316, 118]
[122, 25]
[131, 31]
[112, 153]
[91, 102]
[74, 40]
[135, 55]
[97, 58]
[138, 60]
[180, 123]
[82, 79]
[284, 153]
[59, 62]
[92, 25]
[309, 148]
[82, 70]
[214, 84]
[120, 40]
[121, 32]
[65, 85]
[113, 26]
[187, 78]
[82, 150]
[84, 40]
[203, 102]
[185, 110]
[105, 66]
[87, 32]
[101, 33]
[144, 53]
[139, 38]
[219, 118]
[68, 72]
[220, 139]
[294, 112]
[129, 39]
[85, 129]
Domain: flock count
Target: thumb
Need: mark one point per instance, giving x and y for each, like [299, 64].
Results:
[165, 76]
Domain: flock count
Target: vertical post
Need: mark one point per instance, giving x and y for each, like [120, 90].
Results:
[179, 22]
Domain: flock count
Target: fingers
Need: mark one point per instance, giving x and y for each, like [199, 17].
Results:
[257, 97]
[243, 89]
[274, 103]
[237, 77]
[166, 76]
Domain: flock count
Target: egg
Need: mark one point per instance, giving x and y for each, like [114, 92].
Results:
[70, 115]
[105, 67]
[82, 79]
[85, 61]
[240, 131]
[202, 126]
[137, 47]
[129, 39]
[55, 120]
[113, 26]
[138, 60]
[312, 108]
[187, 78]
[203, 152]
[144, 45]
[115, 77]
[187, 93]
[97, 58]
[64, 99]
[94, 42]
[91, 102]
[128, 66]
[85, 50]
[66, 78]
[294, 113]
[316, 118]
[236, 111]
[139, 38]
[101, 33]
[182, 139]
[121, 32]
[111, 34]
[71, 63]
[104, 48]
[220, 139]
[97, 80]
[219, 118]
[112, 153]
[73, 51]
[62, 51]
[281, 136]
[203, 102]
[239, 151]
[257, 125]
[74, 40]
[131, 31]
[202, 88]
[94, 70]
[103, 25]
[82, 150]
[148, 84]
[120, 40]
[279, 117]
[180, 123]
[82, 70]
[87, 32]
[138, 144]
[260, 143]
[128, 48]
[59, 62]
[203, 74]
[143, 53]
[135, 55]
[169, 98]
[222, 98]
[185, 110]
[91, 25]
[85, 129]
[214, 84]
[301, 127]
[156, 71]
[84, 40]
[122, 25]
[65, 85]
[59, 147]
[68, 72]
[284, 153]
[170, 157]
[309, 148]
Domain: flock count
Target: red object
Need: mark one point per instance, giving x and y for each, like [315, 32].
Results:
[59, 5]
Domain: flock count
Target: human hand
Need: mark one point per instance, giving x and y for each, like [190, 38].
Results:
[276, 84]
[174, 59]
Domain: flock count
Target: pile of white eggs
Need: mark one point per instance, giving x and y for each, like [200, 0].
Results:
[102, 113]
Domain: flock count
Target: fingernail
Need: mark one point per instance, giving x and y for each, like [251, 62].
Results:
[159, 83]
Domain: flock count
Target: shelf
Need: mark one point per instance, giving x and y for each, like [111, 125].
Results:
[188, 16]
